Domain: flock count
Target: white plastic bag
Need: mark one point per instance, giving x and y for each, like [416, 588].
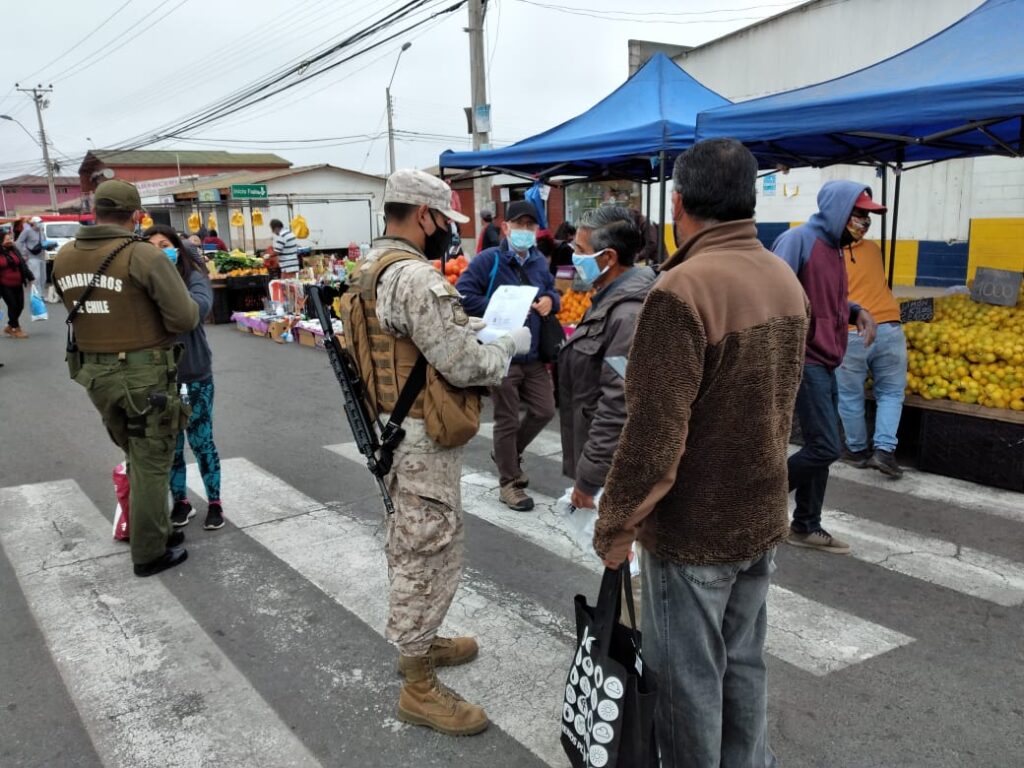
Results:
[580, 525]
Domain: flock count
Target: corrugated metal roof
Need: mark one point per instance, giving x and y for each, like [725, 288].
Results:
[256, 177]
[186, 157]
[39, 181]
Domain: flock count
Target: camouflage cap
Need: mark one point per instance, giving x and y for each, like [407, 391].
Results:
[117, 195]
[419, 188]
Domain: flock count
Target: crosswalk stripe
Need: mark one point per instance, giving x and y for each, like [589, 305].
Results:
[520, 673]
[922, 485]
[945, 490]
[962, 569]
[146, 679]
[546, 444]
[814, 637]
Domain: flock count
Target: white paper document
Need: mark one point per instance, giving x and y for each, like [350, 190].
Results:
[507, 310]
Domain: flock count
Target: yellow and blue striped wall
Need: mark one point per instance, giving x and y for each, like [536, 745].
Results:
[997, 243]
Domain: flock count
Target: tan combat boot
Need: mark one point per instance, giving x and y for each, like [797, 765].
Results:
[424, 700]
[515, 498]
[453, 651]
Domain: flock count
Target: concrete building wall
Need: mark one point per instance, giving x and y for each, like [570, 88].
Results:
[829, 38]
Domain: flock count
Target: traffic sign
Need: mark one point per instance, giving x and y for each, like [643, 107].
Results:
[248, 191]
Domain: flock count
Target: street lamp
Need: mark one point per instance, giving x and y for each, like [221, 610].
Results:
[387, 91]
[26, 130]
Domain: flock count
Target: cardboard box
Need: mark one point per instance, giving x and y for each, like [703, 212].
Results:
[277, 330]
[304, 337]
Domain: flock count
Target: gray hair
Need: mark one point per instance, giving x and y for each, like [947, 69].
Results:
[716, 179]
[612, 226]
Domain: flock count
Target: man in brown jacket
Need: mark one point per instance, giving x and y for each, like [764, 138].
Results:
[700, 475]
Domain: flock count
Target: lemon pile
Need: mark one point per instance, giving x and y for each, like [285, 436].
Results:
[970, 353]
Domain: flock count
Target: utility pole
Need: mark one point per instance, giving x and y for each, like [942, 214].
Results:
[478, 80]
[38, 99]
[391, 133]
[391, 114]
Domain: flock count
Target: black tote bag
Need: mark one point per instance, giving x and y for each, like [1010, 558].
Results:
[608, 708]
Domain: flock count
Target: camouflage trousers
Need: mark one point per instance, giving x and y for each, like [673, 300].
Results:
[424, 542]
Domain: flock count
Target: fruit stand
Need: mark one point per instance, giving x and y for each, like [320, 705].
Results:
[964, 411]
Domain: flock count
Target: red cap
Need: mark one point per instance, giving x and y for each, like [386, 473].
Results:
[865, 203]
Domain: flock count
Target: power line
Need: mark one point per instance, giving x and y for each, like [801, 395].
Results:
[80, 42]
[264, 89]
[102, 53]
[640, 17]
[247, 91]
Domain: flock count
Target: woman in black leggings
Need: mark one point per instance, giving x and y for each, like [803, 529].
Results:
[12, 285]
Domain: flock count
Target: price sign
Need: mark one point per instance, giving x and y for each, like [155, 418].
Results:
[922, 310]
[996, 286]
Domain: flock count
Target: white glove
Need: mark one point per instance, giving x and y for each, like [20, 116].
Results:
[523, 339]
[476, 324]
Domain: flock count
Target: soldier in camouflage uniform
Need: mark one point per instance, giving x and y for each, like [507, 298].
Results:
[425, 536]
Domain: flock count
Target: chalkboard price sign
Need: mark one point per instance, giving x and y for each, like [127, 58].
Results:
[996, 286]
[919, 310]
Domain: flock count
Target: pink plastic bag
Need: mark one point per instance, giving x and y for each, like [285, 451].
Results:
[121, 488]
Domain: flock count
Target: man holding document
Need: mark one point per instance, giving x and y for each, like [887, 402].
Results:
[400, 317]
[528, 382]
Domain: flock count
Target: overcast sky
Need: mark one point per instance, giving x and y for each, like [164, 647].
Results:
[124, 68]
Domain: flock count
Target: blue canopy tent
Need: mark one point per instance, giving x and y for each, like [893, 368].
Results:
[620, 137]
[958, 94]
[633, 133]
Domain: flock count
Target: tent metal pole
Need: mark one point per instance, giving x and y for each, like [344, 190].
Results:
[650, 186]
[884, 168]
[895, 219]
[661, 213]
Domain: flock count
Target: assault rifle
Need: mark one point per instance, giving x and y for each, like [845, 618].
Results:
[364, 429]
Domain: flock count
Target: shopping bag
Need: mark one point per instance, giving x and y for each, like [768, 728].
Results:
[38, 307]
[121, 512]
[608, 710]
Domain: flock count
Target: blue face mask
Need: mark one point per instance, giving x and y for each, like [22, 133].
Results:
[172, 254]
[586, 267]
[522, 239]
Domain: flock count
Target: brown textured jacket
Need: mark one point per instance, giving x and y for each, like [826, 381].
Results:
[700, 472]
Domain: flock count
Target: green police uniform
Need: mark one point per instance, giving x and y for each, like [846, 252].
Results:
[127, 359]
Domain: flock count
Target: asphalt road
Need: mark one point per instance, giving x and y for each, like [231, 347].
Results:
[266, 647]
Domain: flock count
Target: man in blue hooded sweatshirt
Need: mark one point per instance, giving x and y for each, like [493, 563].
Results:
[814, 251]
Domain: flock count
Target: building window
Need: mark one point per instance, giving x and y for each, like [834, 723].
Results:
[63, 190]
[37, 190]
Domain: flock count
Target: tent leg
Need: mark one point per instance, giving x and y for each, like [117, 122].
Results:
[884, 169]
[895, 219]
[661, 212]
[649, 188]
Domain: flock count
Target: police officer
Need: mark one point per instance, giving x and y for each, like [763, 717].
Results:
[410, 309]
[126, 357]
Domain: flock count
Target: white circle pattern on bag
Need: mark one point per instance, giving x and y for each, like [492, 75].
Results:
[570, 694]
[567, 713]
[581, 705]
[585, 686]
[608, 710]
[593, 699]
[602, 733]
[598, 756]
[580, 724]
[588, 666]
[574, 675]
[613, 687]
[598, 675]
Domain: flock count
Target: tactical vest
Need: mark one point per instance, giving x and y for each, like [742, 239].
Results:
[451, 416]
[119, 315]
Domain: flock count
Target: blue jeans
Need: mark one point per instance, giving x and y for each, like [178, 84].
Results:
[886, 361]
[816, 412]
[704, 628]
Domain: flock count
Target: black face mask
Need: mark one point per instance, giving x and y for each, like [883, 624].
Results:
[437, 243]
[846, 238]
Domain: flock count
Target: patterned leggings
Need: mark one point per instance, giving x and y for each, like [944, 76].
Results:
[200, 438]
